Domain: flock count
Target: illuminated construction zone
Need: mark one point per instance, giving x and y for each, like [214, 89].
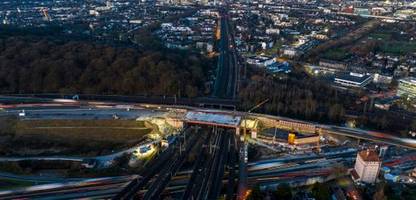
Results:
[145, 151]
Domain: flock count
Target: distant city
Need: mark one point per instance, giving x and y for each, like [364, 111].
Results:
[208, 99]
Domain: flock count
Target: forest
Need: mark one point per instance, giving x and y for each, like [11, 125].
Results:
[53, 64]
[42, 65]
[302, 97]
[295, 95]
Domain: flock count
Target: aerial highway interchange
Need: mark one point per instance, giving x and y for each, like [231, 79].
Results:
[217, 146]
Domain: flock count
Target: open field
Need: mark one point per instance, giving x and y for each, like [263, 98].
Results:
[386, 39]
[398, 47]
[7, 184]
[349, 38]
[380, 36]
[69, 137]
[336, 54]
[87, 130]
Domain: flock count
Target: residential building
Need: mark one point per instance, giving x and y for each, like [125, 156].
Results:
[367, 166]
[383, 78]
[290, 52]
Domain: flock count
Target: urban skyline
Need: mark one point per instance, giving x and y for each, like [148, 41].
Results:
[183, 99]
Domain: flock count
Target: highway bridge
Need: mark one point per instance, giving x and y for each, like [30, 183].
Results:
[44, 99]
[218, 160]
[369, 135]
[99, 111]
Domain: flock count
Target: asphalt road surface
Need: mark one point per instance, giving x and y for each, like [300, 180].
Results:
[227, 69]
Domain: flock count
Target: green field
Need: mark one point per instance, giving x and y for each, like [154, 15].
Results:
[374, 37]
[398, 47]
[87, 130]
[275, 49]
[387, 43]
[71, 137]
[8, 184]
[336, 54]
[380, 36]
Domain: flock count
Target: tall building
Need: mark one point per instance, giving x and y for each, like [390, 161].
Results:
[367, 166]
[407, 86]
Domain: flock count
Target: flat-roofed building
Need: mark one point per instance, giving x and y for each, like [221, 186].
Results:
[407, 86]
[260, 60]
[353, 79]
[301, 139]
[332, 65]
[290, 137]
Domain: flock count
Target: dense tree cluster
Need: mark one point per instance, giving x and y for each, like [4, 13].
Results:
[300, 96]
[45, 66]
[321, 191]
[296, 95]
[53, 64]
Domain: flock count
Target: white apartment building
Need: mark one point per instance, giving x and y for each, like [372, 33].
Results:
[367, 166]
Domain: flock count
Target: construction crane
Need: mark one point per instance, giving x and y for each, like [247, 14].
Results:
[258, 105]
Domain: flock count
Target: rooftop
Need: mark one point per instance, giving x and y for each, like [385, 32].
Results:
[217, 118]
[354, 175]
[283, 134]
[353, 77]
[369, 155]
[411, 80]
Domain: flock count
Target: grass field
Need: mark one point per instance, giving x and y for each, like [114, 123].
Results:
[275, 49]
[72, 137]
[374, 37]
[385, 44]
[86, 130]
[398, 47]
[72, 131]
[389, 44]
[8, 184]
[336, 54]
[380, 36]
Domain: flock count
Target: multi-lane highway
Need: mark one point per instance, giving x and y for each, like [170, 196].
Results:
[371, 136]
[216, 165]
[102, 110]
[379, 137]
[81, 113]
[50, 99]
[227, 66]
